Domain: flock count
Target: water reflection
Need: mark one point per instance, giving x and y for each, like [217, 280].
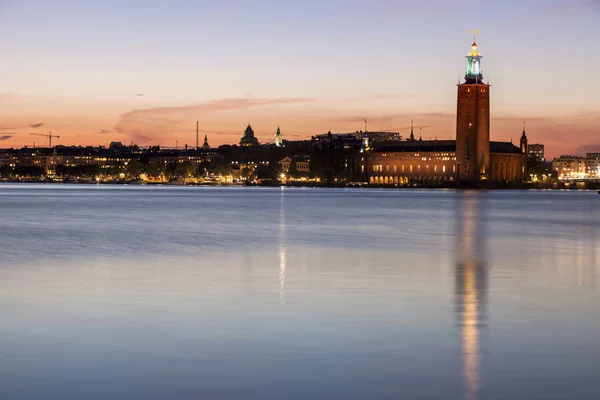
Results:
[282, 249]
[471, 284]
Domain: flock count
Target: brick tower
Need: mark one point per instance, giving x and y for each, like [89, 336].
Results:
[473, 122]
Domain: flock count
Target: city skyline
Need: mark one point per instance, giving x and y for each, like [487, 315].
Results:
[100, 73]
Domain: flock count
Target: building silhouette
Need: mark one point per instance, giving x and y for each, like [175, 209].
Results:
[248, 139]
[205, 145]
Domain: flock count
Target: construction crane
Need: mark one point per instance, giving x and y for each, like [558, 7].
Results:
[49, 136]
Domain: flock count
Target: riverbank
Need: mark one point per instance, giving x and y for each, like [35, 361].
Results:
[451, 186]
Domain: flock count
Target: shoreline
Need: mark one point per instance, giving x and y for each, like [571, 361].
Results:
[462, 186]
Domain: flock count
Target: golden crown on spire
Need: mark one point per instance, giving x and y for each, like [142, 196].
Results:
[474, 45]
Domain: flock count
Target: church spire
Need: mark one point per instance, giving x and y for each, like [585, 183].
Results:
[412, 133]
[278, 138]
[205, 146]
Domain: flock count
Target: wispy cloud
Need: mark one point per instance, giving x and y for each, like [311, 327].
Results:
[5, 137]
[38, 125]
[147, 125]
[588, 148]
[7, 96]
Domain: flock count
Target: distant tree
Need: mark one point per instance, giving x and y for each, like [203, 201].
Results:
[222, 170]
[246, 172]
[29, 171]
[171, 171]
[135, 169]
[153, 170]
[264, 172]
[5, 171]
[185, 170]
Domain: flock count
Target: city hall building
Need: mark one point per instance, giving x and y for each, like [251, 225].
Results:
[471, 157]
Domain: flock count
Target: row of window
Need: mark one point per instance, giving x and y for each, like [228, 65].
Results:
[402, 168]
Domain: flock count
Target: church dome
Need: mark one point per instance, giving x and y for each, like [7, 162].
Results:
[248, 139]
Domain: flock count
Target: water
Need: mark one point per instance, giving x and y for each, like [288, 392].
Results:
[127, 292]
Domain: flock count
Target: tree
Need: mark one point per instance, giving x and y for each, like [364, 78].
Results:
[135, 169]
[29, 171]
[185, 170]
[153, 170]
[246, 172]
[222, 170]
[5, 170]
[265, 173]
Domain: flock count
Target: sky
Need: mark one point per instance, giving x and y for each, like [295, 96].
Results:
[145, 71]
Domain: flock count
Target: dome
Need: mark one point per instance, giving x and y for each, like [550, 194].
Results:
[248, 139]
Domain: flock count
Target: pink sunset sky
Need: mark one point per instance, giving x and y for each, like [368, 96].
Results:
[145, 72]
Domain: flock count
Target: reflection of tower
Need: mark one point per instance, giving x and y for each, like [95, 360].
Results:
[473, 122]
[282, 249]
[471, 284]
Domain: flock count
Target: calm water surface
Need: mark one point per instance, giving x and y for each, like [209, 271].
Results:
[130, 292]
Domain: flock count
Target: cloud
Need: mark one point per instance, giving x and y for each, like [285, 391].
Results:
[588, 148]
[38, 125]
[5, 137]
[379, 96]
[103, 131]
[7, 96]
[158, 123]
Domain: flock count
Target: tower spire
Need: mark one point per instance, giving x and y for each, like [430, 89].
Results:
[474, 74]
[197, 143]
[412, 133]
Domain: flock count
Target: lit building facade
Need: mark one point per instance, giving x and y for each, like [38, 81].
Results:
[569, 167]
[592, 165]
[471, 157]
[302, 164]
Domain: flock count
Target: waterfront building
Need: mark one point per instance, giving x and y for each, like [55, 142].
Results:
[535, 152]
[302, 164]
[7, 159]
[569, 167]
[338, 156]
[592, 165]
[248, 139]
[472, 157]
